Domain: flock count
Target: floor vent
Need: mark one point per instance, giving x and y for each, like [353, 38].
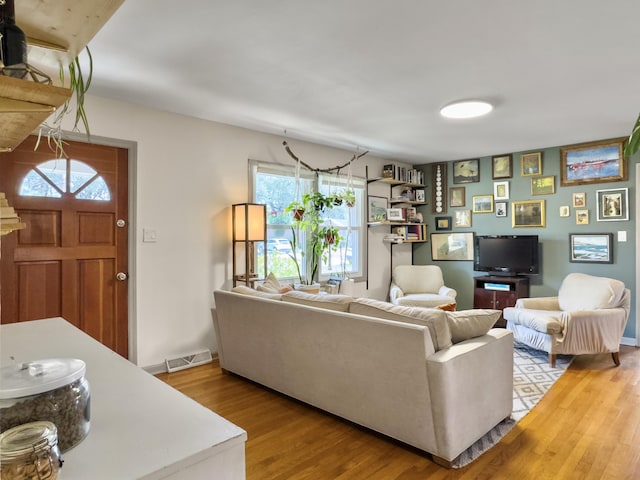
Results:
[187, 361]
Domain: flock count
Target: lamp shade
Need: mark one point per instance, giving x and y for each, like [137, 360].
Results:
[249, 222]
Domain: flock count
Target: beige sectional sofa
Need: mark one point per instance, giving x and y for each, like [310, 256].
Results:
[432, 379]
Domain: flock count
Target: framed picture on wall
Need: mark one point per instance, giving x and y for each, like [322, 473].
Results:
[595, 162]
[457, 197]
[613, 205]
[502, 166]
[452, 246]
[528, 213]
[531, 164]
[462, 218]
[591, 247]
[466, 171]
[377, 208]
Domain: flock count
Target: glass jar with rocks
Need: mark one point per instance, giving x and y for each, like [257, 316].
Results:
[53, 390]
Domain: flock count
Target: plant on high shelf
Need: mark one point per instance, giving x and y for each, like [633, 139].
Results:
[78, 84]
[633, 144]
[320, 239]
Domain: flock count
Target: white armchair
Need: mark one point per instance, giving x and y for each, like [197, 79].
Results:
[420, 286]
[588, 316]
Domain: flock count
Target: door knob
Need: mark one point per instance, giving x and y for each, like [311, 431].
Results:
[121, 276]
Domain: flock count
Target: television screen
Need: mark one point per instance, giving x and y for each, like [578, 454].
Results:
[506, 254]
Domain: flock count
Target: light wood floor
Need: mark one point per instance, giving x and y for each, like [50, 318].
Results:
[586, 427]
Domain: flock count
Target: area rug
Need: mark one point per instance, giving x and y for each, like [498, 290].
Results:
[532, 378]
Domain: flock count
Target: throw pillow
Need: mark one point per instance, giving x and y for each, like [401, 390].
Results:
[432, 318]
[467, 324]
[449, 307]
[243, 289]
[272, 285]
[339, 303]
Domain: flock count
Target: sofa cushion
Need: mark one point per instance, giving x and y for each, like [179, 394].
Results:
[243, 289]
[580, 291]
[339, 303]
[466, 324]
[432, 318]
[426, 300]
[544, 321]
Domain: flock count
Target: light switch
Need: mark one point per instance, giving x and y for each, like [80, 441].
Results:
[622, 235]
[149, 235]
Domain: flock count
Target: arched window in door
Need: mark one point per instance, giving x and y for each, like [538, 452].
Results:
[60, 176]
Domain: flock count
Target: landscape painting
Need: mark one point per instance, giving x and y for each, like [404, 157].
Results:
[591, 248]
[596, 162]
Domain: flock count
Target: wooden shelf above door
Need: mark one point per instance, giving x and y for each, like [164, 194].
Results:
[57, 31]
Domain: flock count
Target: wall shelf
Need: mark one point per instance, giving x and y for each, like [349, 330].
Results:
[56, 31]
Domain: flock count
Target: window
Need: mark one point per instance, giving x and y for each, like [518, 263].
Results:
[276, 186]
[54, 178]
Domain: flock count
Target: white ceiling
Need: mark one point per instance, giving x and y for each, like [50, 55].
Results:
[373, 74]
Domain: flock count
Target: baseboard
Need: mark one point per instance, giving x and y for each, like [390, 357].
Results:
[631, 342]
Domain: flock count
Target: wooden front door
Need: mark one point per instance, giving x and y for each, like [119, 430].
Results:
[71, 259]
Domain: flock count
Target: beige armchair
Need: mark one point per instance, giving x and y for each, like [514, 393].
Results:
[588, 316]
[420, 286]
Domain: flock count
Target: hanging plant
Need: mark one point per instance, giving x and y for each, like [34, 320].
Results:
[633, 144]
[349, 197]
[79, 85]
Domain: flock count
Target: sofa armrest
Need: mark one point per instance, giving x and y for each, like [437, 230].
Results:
[481, 369]
[447, 292]
[539, 303]
[590, 331]
[395, 292]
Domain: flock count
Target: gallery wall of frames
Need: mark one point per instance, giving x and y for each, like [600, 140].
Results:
[579, 199]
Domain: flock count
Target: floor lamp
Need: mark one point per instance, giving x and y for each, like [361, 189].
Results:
[249, 222]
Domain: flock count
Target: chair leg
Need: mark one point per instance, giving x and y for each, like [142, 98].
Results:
[616, 358]
[552, 360]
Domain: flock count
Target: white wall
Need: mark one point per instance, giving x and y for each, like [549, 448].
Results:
[189, 172]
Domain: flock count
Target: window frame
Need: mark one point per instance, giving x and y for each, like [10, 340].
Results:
[318, 180]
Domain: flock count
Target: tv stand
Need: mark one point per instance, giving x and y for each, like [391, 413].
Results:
[499, 292]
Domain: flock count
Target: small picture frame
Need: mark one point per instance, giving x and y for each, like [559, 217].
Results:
[482, 203]
[501, 190]
[419, 195]
[528, 213]
[501, 209]
[462, 219]
[579, 200]
[452, 246]
[466, 171]
[502, 166]
[443, 223]
[531, 164]
[594, 162]
[564, 211]
[613, 205]
[457, 197]
[395, 215]
[582, 217]
[543, 185]
[591, 247]
[377, 209]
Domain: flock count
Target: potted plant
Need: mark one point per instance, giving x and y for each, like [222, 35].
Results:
[319, 239]
[349, 197]
[297, 209]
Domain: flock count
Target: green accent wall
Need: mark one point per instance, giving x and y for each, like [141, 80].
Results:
[554, 237]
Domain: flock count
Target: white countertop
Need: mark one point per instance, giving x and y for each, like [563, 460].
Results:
[141, 428]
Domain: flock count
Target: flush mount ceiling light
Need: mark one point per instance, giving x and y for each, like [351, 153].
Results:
[466, 109]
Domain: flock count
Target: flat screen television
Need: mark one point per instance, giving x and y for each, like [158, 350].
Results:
[507, 255]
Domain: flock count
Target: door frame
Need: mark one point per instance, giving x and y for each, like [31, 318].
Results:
[132, 148]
